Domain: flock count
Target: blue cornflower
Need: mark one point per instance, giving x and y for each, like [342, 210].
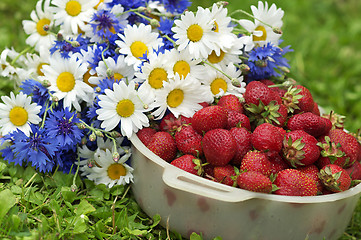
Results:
[127, 5]
[35, 89]
[38, 149]
[65, 47]
[105, 24]
[165, 29]
[99, 49]
[61, 125]
[176, 6]
[66, 160]
[266, 61]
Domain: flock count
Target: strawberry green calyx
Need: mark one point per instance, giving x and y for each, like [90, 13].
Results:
[331, 150]
[199, 166]
[329, 179]
[263, 114]
[291, 98]
[293, 152]
[337, 120]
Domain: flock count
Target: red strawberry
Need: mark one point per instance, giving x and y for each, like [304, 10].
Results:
[280, 91]
[331, 153]
[209, 118]
[231, 102]
[224, 174]
[316, 109]
[236, 119]
[354, 171]
[254, 181]
[188, 163]
[189, 141]
[244, 145]
[292, 182]
[298, 99]
[310, 123]
[300, 148]
[282, 115]
[219, 146]
[145, 134]
[312, 172]
[277, 162]
[256, 161]
[337, 120]
[349, 144]
[335, 178]
[266, 137]
[256, 91]
[170, 123]
[163, 145]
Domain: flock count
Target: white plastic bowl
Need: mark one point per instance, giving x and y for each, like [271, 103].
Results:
[188, 203]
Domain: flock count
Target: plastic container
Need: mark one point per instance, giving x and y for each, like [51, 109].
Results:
[188, 203]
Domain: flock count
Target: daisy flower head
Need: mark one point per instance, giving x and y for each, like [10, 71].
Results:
[115, 69]
[6, 68]
[136, 42]
[122, 105]
[262, 28]
[66, 78]
[110, 172]
[41, 18]
[194, 33]
[181, 97]
[35, 62]
[18, 112]
[73, 15]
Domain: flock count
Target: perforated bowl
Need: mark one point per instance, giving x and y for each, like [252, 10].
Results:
[188, 203]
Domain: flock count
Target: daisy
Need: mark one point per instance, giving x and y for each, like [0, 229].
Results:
[118, 70]
[111, 173]
[137, 41]
[181, 97]
[6, 57]
[41, 17]
[260, 32]
[36, 62]
[17, 112]
[72, 15]
[219, 84]
[66, 78]
[194, 33]
[122, 105]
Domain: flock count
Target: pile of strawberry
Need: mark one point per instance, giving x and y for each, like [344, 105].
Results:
[273, 141]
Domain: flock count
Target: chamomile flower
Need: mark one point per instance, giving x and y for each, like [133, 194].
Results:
[137, 41]
[219, 84]
[36, 62]
[122, 105]
[112, 69]
[66, 78]
[181, 97]
[72, 15]
[18, 112]
[111, 173]
[6, 68]
[260, 29]
[41, 17]
[194, 33]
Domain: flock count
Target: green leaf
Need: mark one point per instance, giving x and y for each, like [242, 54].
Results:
[84, 207]
[7, 201]
[195, 236]
[68, 194]
[79, 225]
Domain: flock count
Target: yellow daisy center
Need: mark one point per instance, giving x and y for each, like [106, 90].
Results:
[138, 49]
[86, 77]
[195, 33]
[118, 76]
[175, 98]
[65, 81]
[18, 116]
[182, 68]
[39, 68]
[156, 78]
[125, 108]
[218, 83]
[96, 6]
[215, 27]
[264, 35]
[213, 58]
[73, 8]
[40, 26]
[116, 170]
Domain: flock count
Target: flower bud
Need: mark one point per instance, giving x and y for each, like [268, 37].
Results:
[46, 83]
[60, 37]
[142, 9]
[99, 133]
[73, 188]
[98, 89]
[55, 99]
[75, 44]
[46, 27]
[110, 73]
[154, 23]
[235, 82]
[116, 156]
[81, 126]
[244, 68]
[261, 63]
[83, 141]
[92, 137]
[277, 30]
[115, 134]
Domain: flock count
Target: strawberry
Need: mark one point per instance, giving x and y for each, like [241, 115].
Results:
[349, 144]
[312, 172]
[277, 162]
[257, 92]
[335, 178]
[316, 109]
[209, 118]
[231, 102]
[310, 123]
[243, 141]
[298, 99]
[300, 148]
[354, 171]
[236, 119]
[145, 134]
[188, 163]
[331, 153]
[224, 174]
[188, 140]
[292, 182]
[281, 116]
[256, 161]
[170, 123]
[266, 137]
[163, 145]
[219, 146]
[280, 91]
[254, 181]
[337, 120]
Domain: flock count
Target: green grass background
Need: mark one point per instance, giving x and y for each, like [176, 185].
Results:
[324, 34]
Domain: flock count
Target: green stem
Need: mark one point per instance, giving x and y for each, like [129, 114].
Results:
[143, 16]
[20, 54]
[219, 70]
[30, 180]
[170, 39]
[250, 15]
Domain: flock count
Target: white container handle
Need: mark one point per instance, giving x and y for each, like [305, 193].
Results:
[184, 181]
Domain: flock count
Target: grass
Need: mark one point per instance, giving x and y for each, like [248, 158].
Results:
[325, 37]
